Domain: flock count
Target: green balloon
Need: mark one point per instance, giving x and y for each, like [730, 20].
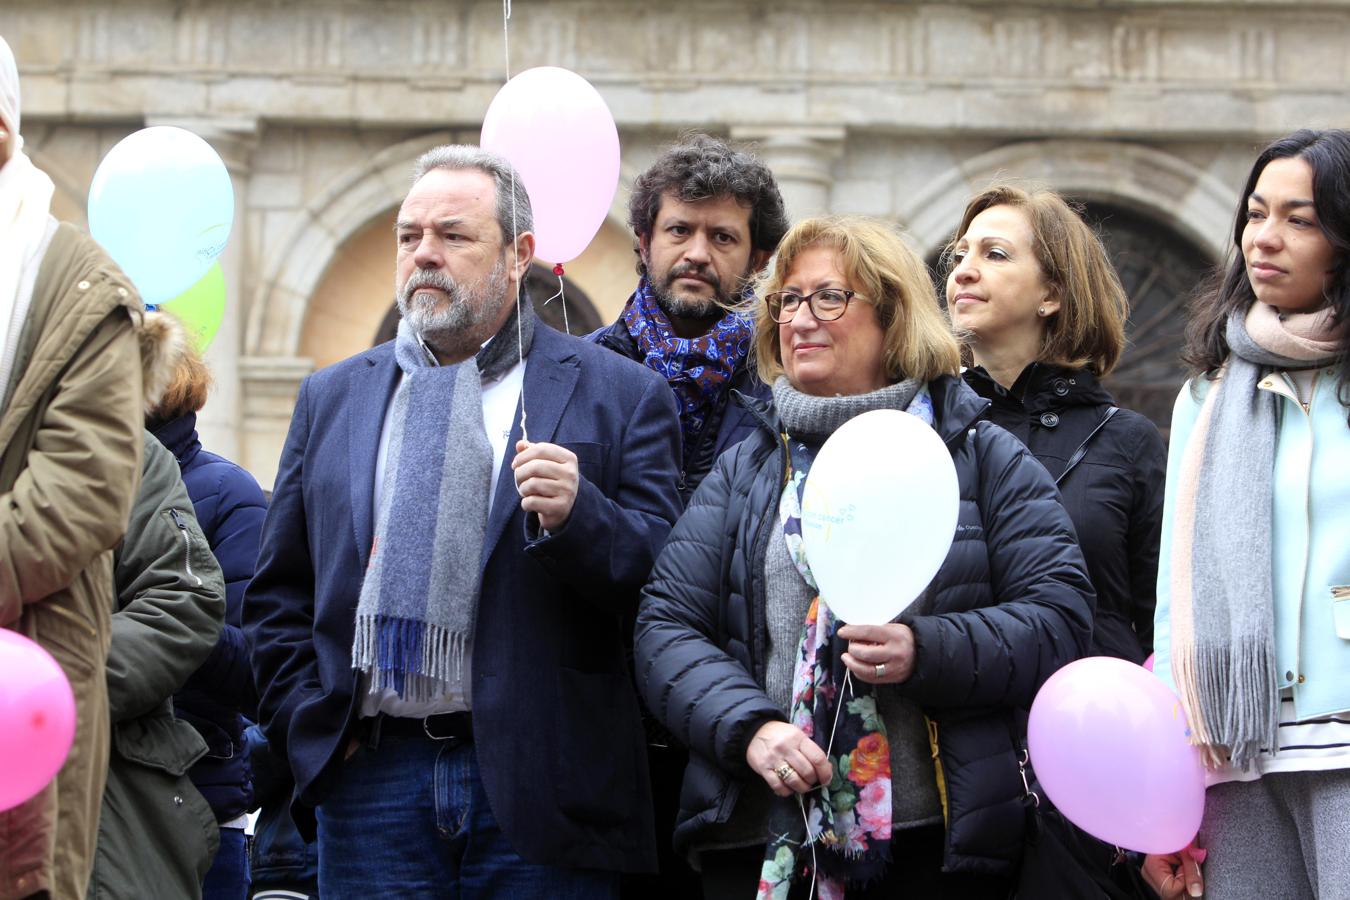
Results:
[201, 308]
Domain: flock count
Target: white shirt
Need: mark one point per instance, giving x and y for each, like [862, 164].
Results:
[500, 397]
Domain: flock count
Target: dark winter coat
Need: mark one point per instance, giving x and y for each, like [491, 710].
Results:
[555, 719]
[230, 508]
[1011, 604]
[1114, 495]
[156, 833]
[727, 426]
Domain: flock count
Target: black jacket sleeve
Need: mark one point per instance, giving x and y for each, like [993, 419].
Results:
[707, 698]
[1041, 618]
[1150, 479]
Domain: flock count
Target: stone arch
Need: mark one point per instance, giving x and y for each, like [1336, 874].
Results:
[1149, 181]
[276, 321]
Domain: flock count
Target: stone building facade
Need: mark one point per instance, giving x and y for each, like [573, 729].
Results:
[1147, 111]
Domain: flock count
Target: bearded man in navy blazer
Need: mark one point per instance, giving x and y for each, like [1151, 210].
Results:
[461, 523]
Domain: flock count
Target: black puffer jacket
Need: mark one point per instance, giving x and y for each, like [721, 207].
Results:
[1114, 495]
[1012, 604]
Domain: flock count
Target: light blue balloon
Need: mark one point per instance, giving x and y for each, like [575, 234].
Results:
[162, 205]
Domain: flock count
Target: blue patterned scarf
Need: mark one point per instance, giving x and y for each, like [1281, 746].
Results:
[697, 369]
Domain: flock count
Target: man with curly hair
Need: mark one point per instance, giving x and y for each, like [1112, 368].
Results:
[706, 217]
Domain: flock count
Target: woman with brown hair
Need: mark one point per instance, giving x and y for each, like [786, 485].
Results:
[1041, 311]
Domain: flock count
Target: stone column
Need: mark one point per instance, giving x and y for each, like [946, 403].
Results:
[802, 159]
[270, 384]
[219, 423]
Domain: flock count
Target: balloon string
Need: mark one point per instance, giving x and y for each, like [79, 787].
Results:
[561, 295]
[801, 803]
[515, 236]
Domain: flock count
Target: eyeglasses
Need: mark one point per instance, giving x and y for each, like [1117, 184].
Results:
[826, 304]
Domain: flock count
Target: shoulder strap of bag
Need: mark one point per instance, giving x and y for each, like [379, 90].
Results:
[1083, 447]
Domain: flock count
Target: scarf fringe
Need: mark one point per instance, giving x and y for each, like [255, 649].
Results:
[1231, 697]
[417, 660]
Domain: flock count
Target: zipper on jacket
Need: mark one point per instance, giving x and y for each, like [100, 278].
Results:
[938, 770]
[759, 551]
[187, 544]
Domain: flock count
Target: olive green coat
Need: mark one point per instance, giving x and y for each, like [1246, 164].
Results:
[70, 460]
[157, 835]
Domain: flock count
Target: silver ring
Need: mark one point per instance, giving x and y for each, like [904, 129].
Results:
[880, 670]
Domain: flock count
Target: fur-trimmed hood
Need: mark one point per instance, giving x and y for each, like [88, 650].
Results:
[164, 343]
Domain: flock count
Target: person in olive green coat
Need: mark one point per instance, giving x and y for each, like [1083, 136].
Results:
[157, 835]
[70, 458]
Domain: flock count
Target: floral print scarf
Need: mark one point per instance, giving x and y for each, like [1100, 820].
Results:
[851, 816]
[697, 369]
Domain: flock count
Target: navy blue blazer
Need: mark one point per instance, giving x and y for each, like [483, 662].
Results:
[556, 725]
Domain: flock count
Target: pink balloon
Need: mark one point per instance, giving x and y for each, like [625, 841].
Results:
[1148, 663]
[37, 718]
[556, 130]
[1111, 746]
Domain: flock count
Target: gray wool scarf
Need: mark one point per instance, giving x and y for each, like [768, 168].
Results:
[1225, 653]
[808, 416]
[419, 597]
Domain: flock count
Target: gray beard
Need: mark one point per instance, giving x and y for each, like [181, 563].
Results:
[466, 321]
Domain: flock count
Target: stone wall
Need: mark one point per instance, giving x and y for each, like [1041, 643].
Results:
[894, 109]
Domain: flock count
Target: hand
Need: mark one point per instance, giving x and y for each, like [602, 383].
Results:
[869, 646]
[1176, 875]
[777, 744]
[547, 478]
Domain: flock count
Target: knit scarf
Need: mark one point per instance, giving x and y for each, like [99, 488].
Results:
[850, 817]
[697, 369]
[1222, 614]
[419, 598]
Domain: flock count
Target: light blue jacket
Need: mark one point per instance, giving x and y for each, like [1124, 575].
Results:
[1311, 542]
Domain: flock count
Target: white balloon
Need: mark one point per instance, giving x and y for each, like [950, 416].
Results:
[162, 205]
[878, 515]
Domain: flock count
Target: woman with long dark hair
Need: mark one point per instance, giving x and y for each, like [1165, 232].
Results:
[1253, 618]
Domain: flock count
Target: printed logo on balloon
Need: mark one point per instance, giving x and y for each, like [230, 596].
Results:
[162, 205]
[879, 513]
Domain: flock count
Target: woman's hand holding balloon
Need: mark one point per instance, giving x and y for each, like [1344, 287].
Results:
[787, 760]
[879, 654]
[1176, 875]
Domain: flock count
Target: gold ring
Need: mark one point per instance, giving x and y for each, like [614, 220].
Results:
[785, 771]
[880, 670]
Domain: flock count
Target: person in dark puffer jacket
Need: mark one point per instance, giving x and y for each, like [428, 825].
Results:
[1036, 300]
[230, 507]
[848, 325]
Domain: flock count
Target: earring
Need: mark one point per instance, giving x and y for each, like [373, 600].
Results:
[1041, 311]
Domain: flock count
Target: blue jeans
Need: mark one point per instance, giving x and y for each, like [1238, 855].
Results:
[410, 819]
[227, 879]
